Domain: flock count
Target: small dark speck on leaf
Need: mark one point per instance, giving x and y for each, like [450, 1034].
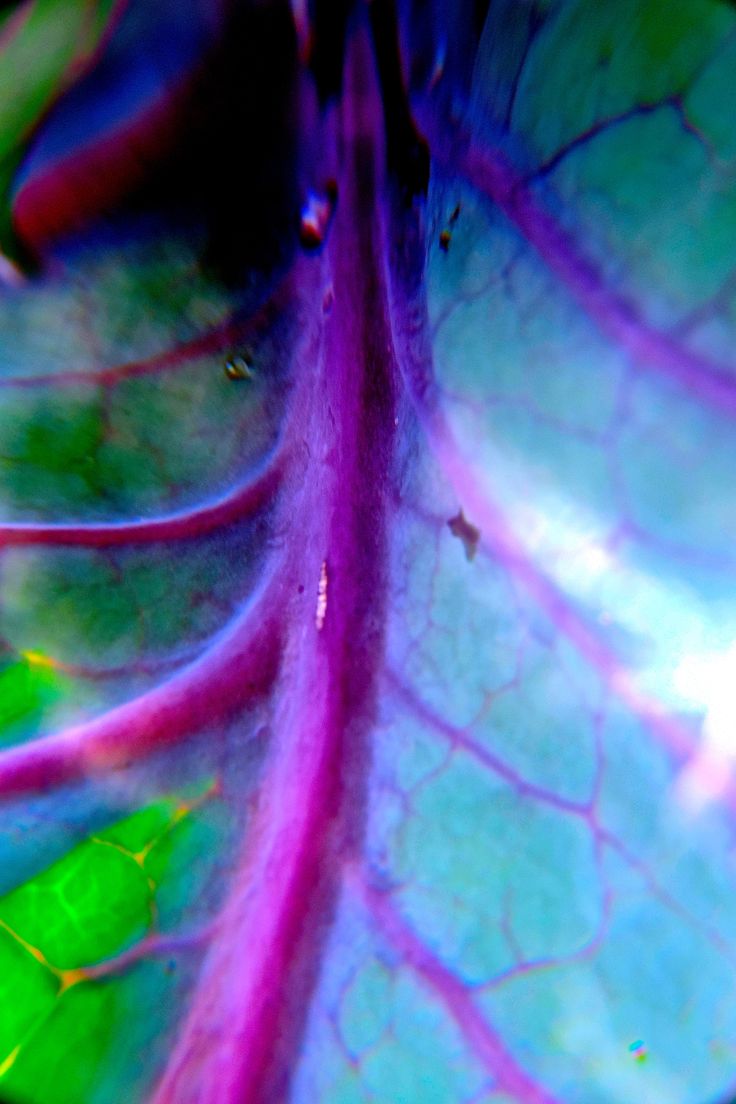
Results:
[170, 966]
[300, 588]
[446, 234]
[461, 528]
[239, 367]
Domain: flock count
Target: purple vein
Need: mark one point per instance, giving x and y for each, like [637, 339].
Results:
[412, 342]
[239, 666]
[155, 945]
[240, 1039]
[480, 1035]
[504, 546]
[617, 318]
[611, 122]
[459, 739]
[240, 326]
[234, 506]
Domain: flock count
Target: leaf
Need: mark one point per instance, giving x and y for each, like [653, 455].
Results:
[40, 44]
[386, 481]
[59, 935]
[29, 685]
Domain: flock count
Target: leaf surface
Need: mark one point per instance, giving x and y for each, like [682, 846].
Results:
[410, 525]
[60, 935]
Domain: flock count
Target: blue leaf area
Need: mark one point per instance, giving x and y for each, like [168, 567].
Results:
[367, 516]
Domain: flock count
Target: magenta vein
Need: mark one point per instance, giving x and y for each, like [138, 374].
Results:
[235, 669]
[182, 525]
[483, 1039]
[616, 317]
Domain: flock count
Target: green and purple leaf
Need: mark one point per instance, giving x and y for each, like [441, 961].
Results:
[393, 539]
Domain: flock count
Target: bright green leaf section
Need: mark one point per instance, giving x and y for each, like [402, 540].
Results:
[29, 684]
[27, 992]
[35, 66]
[139, 832]
[95, 902]
[74, 1037]
[83, 909]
